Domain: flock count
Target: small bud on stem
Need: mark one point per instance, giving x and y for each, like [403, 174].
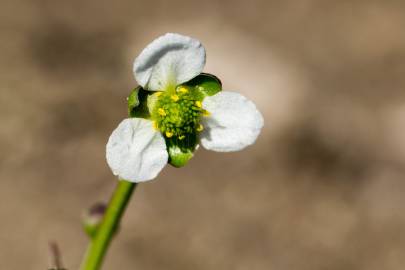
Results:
[93, 217]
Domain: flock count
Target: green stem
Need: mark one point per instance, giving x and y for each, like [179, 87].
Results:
[99, 244]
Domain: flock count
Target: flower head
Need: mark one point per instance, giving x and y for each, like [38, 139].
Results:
[175, 108]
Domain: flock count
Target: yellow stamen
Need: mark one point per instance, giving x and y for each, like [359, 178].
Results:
[198, 104]
[206, 113]
[169, 134]
[158, 93]
[175, 97]
[181, 137]
[161, 112]
[155, 125]
[182, 89]
[200, 128]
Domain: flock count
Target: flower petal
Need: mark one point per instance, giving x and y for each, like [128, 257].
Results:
[135, 151]
[233, 124]
[168, 61]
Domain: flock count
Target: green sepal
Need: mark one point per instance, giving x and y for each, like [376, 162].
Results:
[137, 103]
[181, 151]
[178, 157]
[133, 100]
[205, 85]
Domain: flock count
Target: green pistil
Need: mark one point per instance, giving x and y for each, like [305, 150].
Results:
[177, 114]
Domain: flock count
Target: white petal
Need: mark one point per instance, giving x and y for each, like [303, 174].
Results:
[233, 124]
[135, 151]
[169, 60]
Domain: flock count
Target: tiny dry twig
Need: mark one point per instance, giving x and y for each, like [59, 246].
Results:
[55, 258]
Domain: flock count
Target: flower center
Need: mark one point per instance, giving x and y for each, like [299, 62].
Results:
[177, 113]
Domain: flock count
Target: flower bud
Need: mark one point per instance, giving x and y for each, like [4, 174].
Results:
[93, 217]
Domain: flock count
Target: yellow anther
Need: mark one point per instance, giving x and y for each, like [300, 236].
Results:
[175, 97]
[169, 134]
[182, 89]
[161, 112]
[158, 93]
[155, 125]
[198, 104]
[200, 128]
[206, 113]
[181, 137]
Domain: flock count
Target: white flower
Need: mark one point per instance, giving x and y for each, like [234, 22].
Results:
[180, 115]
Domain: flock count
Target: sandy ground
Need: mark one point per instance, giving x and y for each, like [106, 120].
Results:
[323, 188]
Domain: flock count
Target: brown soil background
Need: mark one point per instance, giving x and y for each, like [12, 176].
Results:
[323, 187]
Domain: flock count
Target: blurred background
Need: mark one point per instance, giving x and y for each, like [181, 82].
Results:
[323, 187]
